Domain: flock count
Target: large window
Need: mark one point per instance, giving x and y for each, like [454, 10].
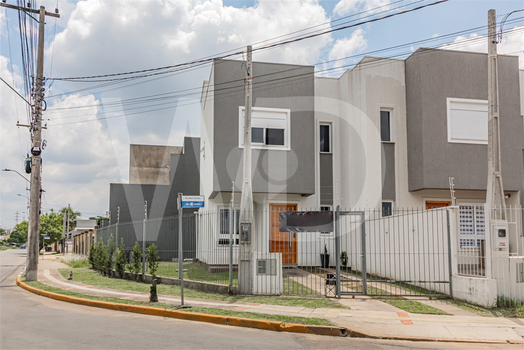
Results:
[223, 238]
[385, 126]
[467, 121]
[325, 138]
[270, 128]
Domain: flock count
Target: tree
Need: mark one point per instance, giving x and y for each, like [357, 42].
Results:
[73, 215]
[50, 225]
[135, 267]
[152, 258]
[110, 252]
[2, 232]
[120, 259]
[22, 229]
[15, 237]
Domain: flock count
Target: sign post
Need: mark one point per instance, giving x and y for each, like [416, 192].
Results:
[184, 202]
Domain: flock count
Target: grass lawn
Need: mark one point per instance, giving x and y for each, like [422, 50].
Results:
[6, 248]
[415, 307]
[90, 277]
[196, 272]
[210, 311]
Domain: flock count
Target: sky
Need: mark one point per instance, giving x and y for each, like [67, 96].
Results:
[87, 148]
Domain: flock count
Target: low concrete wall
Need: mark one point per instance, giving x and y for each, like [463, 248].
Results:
[196, 285]
[480, 291]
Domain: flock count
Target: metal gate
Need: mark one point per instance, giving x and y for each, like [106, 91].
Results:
[391, 253]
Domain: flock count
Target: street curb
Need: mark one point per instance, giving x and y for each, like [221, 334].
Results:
[246, 322]
[191, 316]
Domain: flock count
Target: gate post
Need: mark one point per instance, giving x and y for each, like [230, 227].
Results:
[337, 250]
[450, 267]
[364, 269]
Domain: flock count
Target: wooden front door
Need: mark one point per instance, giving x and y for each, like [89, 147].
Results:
[282, 242]
[437, 204]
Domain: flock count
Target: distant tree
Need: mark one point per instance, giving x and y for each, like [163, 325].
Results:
[16, 237]
[50, 225]
[22, 229]
[99, 219]
[2, 232]
[73, 215]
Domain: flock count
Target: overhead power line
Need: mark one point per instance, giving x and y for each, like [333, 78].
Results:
[154, 71]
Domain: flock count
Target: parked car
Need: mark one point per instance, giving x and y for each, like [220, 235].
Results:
[23, 246]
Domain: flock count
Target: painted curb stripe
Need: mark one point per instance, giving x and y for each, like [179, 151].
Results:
[243, 322]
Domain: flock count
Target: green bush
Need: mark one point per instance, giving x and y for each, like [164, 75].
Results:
[135, 266]
[101, 258]
[120, 259]
[110, 252]
[92, 256]
[152, 258]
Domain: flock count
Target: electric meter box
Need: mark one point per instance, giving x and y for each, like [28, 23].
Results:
[501, 236]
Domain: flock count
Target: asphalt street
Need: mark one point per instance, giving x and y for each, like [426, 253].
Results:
[29, 321]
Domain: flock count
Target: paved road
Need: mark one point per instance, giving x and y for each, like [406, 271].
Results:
[29, 321]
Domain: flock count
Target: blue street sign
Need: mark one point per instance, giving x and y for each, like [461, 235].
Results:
[47, 237]
[193, 202]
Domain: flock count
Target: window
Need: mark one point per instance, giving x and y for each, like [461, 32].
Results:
[325, 208]
[387, 209]
[471, 225]
[275, 137]
[385, 126]
[257, 135]
[224, 227]
[325, 138]
[270, 128]
[467, 121]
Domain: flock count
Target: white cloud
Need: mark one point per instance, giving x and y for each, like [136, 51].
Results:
[512, 44]
[347, 6]
[346, 47]
[107, 36]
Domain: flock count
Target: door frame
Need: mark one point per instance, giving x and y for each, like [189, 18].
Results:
[282, 203]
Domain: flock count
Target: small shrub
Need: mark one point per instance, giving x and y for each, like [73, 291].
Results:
[120, 259]
[135, 267]
[110, 252]
[101, 258]
[75, 260]
[92, 255]
[152, 258]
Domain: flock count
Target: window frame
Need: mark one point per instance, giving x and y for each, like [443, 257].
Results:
[382, 210]
[329, 125]
[391, 125]
[286, 113]
[225, 236]
[449, 102]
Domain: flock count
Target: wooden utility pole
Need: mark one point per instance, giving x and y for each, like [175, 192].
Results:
[247, 226]
[34, 201]
[495, 190]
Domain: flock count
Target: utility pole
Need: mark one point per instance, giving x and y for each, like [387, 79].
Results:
[34, 202]
[16, 217]
[64, 238]
[497, 240]
[247, 227]
[67, 233]
[495, 191]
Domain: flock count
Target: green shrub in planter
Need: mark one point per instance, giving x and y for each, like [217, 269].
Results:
[135, 267]
[152, 258]
[120, 259]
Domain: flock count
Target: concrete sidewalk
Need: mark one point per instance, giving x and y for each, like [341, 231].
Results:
[365, 315]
